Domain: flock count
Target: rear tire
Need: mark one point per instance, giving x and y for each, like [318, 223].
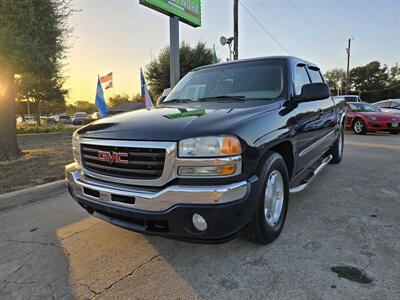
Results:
[337, 148]
[271, 201]
[359, 126]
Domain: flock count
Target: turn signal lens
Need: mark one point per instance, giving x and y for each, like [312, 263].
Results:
[207, 170]
[227, 170]
[230, 146]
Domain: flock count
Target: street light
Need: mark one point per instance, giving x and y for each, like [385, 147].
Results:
[227, 41]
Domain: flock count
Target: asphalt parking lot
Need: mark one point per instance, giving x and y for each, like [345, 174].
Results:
[350, 215]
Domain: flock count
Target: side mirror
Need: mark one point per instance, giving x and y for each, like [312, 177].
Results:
[163, 96]
[313, 91]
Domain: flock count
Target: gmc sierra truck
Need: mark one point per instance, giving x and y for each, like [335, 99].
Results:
[219, 156]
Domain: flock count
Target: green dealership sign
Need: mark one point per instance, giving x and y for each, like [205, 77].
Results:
[188, 11]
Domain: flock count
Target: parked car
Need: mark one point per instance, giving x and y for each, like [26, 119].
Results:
[206, 165]
[63, 119]
[363, 117]
[80, 118]
[348, 98]
[389, 106]
[96, 115]
[26, 121]
[51, 120]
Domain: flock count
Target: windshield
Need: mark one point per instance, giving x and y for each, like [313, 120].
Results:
[246, 80]
[363, 107]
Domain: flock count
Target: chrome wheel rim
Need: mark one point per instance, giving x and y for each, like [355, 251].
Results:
[273, 201]
[358, 126]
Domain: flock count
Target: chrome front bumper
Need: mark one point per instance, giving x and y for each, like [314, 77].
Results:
[159, 200]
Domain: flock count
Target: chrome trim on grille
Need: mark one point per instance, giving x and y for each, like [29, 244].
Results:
[171, 164]
[168, 171]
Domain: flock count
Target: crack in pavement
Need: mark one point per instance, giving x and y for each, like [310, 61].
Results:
[274, 284]
[68, 235]
[95, 293]
[32, 242]
[362, 230]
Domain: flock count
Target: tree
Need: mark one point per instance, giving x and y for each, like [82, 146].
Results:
[117, 100]
[157, 71]
[336, 79]
[394, 82]
[37, 88]
[33, 37]
[371, 81]
[81, 106]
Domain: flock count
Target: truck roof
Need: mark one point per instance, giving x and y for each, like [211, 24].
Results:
[283, 57]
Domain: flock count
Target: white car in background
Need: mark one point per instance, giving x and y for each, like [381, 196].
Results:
[348, 98]
[389, 106]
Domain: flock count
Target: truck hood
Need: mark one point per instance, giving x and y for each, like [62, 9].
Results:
[173, 123]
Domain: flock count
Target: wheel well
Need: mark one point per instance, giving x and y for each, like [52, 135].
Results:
[285, 149]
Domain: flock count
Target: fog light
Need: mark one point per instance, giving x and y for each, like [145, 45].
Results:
[199, 222]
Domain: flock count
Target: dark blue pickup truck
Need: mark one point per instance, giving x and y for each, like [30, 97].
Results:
[219, 156]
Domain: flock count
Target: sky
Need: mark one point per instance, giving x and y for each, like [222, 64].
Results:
[123, 36]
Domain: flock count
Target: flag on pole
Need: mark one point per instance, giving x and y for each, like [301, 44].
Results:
[109, 85]
[100, 102]
[145, 92]
[106, 78]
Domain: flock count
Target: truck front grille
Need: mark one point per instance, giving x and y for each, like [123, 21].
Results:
[124, 162]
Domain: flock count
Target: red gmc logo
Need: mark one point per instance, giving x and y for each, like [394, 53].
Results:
[113, 157]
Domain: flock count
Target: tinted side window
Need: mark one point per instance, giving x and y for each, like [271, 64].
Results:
[315, 76]
[300, 79]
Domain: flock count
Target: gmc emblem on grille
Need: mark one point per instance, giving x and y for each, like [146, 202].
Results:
[113, 157]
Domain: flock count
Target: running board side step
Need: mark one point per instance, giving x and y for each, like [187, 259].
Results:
[311, 176]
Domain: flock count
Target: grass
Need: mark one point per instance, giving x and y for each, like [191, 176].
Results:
[351, 273]
[44, 129]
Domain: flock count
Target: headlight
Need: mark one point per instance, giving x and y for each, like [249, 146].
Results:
[373, 118]
[75, 147]
[210, 146]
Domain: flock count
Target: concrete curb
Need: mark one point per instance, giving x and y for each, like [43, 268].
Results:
[31, 194]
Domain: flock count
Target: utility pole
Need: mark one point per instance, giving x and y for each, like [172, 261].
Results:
[174, 50]
[235, 29]
[348, 67]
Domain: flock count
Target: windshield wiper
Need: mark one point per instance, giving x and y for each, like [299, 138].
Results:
[178, 100]
[223, 97]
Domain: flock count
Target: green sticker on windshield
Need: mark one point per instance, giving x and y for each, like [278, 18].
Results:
[185, 114]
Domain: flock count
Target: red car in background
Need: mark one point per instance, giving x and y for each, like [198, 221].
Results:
[363, 117]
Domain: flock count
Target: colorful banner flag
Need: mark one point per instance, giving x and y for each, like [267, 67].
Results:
[145, 92]
[100, 102]
[109, 85]
[106, 78]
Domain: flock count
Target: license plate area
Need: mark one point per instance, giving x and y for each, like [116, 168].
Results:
[395, 125]
[108, 197]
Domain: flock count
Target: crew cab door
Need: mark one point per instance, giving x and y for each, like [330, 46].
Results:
[315, 120]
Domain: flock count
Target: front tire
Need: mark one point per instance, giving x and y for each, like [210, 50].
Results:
[271, 202]
[359, 126]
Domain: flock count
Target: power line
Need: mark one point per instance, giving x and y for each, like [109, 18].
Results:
[309, 22]
[262, 26]
[291, 32]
